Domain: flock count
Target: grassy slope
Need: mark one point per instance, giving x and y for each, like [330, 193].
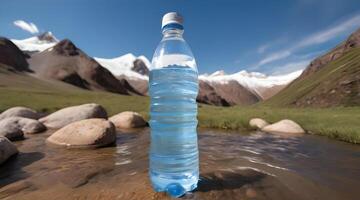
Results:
[48, 96]
[345, 66]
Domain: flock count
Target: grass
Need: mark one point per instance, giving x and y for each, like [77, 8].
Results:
[48, 95]
[342, 123]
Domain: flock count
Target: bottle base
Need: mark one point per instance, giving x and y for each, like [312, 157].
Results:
[174, 187]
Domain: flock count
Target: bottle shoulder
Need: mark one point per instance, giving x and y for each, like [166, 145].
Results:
[173, 51]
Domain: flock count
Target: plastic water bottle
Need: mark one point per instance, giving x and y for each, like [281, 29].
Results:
[173, 88]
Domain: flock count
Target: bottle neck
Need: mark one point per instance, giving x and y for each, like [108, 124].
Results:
[173, 30]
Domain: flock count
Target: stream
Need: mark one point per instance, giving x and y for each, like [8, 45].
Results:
[233, 165]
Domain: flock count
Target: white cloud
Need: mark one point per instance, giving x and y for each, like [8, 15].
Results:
[263, 48]
[29, 27]
[317, 38]
[310, 55]
[291, 67]
[275, 56]
[328, 34]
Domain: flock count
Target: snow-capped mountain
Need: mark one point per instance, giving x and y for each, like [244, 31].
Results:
[239, 88]
[217, 73]
[119, 66]
[124, 65]
[255, 82]
[37, 43]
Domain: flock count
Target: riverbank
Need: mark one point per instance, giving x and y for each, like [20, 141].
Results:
[338, 123]
[233, 165]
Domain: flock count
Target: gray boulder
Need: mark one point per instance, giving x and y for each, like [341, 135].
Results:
[25, 124]
[14, 127]
[7, 149]
[128, 119]
[72, 114]
[10, 130]
[85, 133]
[284, 127]
[20, 112]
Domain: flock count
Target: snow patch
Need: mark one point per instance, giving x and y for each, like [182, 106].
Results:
[122, 65]
[35, 43]
[253, 81]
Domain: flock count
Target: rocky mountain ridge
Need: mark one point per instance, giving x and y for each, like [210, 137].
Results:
[62, 60]
[332, 79]
[351, 42]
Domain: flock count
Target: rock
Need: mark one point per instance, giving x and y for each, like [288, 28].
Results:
[71, 114]
[140, 67]
[10, 130]
[7, 149]
[128, 119]
[20, 112]
[15, 127]
[85, 133]
[285, 126]
[258, 123]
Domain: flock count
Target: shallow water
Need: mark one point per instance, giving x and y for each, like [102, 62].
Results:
[232, 166]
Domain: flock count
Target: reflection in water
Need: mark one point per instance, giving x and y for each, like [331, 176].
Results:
[14, 165]
[228, 179]
[233, 166]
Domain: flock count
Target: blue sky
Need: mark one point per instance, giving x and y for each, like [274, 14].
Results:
[272, 37]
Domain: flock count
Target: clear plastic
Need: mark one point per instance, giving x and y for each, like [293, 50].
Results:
[173, 88]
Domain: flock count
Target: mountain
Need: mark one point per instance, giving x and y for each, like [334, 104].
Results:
[140, 85]
[350, 43]
[67, 63]
[219, 89]
[228, 94]
[208, 95]
[12, 57]
[127, 65]
[141, 65]
[330, 80]
[135, 70]
[259, 84]
[129, 74]
[37, 43]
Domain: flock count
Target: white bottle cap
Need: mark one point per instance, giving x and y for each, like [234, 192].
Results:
[172, 17]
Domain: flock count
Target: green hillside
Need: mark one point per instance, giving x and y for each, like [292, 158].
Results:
[18, 89]
[335, 84]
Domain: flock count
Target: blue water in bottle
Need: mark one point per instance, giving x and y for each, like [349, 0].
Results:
[173, 88]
